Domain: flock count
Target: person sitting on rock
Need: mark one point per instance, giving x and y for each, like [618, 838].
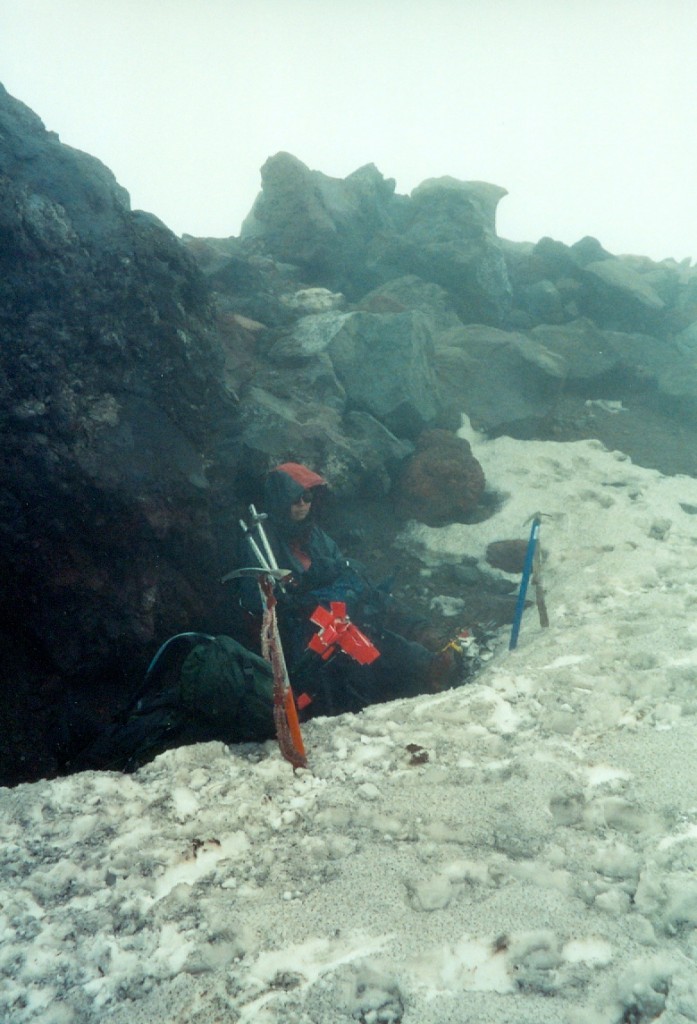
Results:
[222, 690]
[322, 574]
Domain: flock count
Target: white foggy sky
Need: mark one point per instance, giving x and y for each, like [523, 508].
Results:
[584, 110]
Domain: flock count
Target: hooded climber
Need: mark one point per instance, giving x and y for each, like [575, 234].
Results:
[223, 691]
[322, 574]
[291, 492]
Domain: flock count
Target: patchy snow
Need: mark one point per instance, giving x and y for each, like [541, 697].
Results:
[538, 865]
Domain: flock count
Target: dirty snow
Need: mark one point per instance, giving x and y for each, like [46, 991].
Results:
[537, 862]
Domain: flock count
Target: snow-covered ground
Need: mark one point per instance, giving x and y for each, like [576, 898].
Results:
[519, 851]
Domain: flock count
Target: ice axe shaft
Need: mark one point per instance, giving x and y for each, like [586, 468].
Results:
[527, 571]
[285, 714]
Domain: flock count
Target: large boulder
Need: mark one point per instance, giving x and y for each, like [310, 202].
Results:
[112, 395]
[584, 350]
[619, 297]
[515, 382]
[378, 364]
[245, 280]
[664, 369]
[555, 283]
[442, 482]
[319, 223]
[385, 364]
[503, 380]
[413, 293]
[355, 453]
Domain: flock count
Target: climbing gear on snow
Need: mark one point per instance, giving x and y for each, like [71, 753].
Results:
[445, 668]
[268, 574]
[531, 568]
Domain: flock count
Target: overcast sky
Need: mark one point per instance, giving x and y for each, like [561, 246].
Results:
[584, 110]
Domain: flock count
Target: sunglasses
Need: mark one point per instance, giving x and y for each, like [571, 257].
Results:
[306, 498]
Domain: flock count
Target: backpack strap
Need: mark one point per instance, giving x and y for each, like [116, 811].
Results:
[151, 673]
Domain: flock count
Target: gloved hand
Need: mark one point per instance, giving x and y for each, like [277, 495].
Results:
[292, 600]
[297, 600]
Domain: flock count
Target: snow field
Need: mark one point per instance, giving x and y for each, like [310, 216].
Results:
[521, 850]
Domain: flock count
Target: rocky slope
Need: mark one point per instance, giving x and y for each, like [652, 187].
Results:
[148, 382]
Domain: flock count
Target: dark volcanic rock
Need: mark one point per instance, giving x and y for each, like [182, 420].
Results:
[503, 380]
[508, 555]
[111, 395]
[385, 364]
[322, 224]
[553, 283]
[356, 453]
[413, 293]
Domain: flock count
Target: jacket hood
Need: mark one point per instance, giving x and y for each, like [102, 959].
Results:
[285, 484]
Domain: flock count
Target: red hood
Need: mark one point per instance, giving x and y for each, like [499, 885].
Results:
[285, 484]
[307, 478]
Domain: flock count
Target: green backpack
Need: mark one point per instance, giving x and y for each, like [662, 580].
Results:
[222, 692]
[228, 690]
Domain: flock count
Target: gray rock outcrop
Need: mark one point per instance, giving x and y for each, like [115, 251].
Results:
[353, 235]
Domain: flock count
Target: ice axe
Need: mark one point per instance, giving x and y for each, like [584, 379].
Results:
[285, 713]
[267, 574]
[531, 568]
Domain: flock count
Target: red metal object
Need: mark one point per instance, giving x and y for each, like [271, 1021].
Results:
[338, 632]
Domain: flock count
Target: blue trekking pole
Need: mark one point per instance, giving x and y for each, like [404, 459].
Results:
[527, 571]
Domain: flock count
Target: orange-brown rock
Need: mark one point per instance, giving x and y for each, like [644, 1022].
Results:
[442, 482]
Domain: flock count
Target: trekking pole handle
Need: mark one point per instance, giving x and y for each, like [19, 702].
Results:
[258, 520]
[257, 516]
[263, 562]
